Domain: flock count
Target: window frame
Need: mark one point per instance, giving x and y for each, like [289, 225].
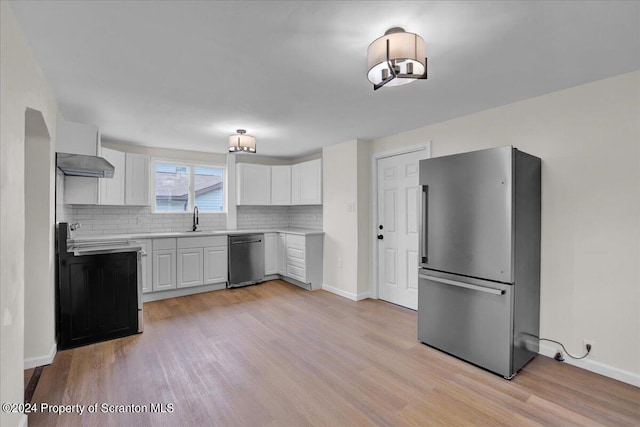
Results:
[192, 195]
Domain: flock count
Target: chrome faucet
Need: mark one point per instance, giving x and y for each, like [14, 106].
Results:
[195, 218]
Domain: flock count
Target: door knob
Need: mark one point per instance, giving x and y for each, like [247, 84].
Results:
[380, 237]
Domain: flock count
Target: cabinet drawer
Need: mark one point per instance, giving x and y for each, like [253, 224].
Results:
[296, 252]
[296, 272]
[294, 239]
[295, 262]
[201, 242]
[162, 244]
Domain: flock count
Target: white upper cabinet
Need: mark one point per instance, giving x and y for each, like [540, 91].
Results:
[77, 138]
[254, 184]
[112, 189]
[306, 183]
[281, 185]
[136, 180]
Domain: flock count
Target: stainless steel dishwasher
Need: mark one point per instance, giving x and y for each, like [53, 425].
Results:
[246, 259]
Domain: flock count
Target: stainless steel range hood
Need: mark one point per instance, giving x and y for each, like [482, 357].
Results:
[82, 165]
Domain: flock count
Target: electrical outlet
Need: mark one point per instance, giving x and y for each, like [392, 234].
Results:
[584, 346]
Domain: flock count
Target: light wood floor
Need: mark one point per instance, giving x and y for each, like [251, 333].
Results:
[277, 355]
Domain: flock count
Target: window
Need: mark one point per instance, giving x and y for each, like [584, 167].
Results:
[181, 186]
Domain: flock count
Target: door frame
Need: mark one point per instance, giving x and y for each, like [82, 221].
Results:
[425, 148]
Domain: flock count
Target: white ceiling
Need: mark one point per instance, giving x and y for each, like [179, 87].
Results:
[185, 75]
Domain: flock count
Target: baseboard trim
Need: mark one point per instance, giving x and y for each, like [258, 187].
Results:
[345, 294]
[32, 362]
[593, 366]
[182, 292]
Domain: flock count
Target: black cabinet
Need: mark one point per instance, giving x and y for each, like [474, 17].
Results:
[97, 298]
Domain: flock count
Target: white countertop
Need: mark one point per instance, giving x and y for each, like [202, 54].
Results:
[159, 235]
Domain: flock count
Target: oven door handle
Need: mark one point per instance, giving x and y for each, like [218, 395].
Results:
[463, 285]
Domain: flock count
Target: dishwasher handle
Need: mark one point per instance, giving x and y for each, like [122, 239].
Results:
[246, 241]
[462, 285]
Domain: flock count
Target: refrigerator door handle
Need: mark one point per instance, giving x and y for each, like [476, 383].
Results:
[423, 225]
[462, 285]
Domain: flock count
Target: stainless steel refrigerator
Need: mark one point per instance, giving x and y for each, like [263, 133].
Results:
[479, 273]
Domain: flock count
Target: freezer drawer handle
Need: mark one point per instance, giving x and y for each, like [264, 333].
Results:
[463, 285]
[246, 241]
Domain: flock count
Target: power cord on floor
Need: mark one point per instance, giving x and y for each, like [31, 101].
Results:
[559, 357]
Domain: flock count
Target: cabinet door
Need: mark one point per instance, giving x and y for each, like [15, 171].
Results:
[270, 253]
[254, 184]
[112, 189]
[280, 185]
[215, 264]
[164, 269]
[190, 268]
[282, 254]
[311, 183]
[137, 180]
[78, 138]
[306, 183]
[145, 265]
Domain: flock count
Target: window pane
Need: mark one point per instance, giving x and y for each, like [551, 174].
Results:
[209, 188]
[172, 187]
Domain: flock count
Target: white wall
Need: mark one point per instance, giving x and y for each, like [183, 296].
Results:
[363, 207]
[346, 218]
[588, 138]
[39, 283]
[339, 191]
[165, 153]
[22, 86]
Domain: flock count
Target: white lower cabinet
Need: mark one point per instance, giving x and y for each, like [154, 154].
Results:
[164, 264]
[303, 256]
[202, 260]
[181, 263]
[146, 272]
[282, 254]
[215, 264]
[175, 264]
[270, 253]
[190, 267]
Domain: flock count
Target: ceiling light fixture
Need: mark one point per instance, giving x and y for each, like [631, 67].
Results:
[396, 59]
[242, 143]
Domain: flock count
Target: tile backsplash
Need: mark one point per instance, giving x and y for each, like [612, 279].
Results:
[252, 217]
[306, 217]
[130, 219]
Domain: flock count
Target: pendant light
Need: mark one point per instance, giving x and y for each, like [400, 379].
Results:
[396, 59]
[242, 143]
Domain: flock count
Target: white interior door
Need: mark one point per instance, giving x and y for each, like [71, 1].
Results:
[397, 228]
